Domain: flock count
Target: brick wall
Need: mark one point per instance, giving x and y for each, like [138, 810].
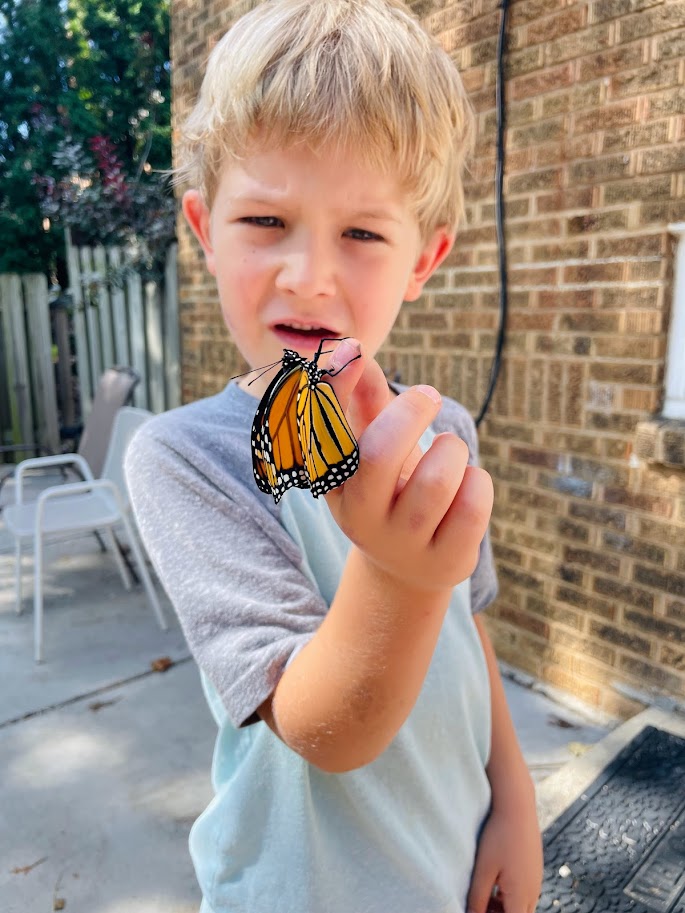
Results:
[207, 355]
[590, 541]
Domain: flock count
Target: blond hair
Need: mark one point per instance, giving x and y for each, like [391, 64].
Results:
[361, 74]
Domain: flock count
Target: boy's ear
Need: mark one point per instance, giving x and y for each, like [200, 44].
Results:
[433, 252]
[197, 216]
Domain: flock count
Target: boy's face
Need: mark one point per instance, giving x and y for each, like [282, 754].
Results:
[305, 246]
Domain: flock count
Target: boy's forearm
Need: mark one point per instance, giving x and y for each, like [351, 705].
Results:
[346, 694]
[343, 698]
[508, 773]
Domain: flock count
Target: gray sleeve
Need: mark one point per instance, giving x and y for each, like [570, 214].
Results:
[232, 573]
[455, 418]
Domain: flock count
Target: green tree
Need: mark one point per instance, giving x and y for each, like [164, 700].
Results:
[72, 73]
[121, 72]
[33, 107]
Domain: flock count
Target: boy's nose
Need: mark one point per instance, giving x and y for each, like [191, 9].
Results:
[307, 269]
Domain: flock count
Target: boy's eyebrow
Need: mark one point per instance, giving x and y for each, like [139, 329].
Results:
[378, 215]
[249, 196]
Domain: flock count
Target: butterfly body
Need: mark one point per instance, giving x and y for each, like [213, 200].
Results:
[300, 436]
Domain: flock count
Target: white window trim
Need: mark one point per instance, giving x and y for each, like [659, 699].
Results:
[674, 401]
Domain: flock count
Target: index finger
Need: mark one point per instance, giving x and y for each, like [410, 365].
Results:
[359, 384]
[389, 440]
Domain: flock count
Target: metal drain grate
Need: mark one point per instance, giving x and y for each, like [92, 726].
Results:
[620, 848]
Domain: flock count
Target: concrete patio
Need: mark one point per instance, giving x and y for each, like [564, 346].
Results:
[106, 761]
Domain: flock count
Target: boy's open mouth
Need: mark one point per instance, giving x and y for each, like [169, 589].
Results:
[308, 331]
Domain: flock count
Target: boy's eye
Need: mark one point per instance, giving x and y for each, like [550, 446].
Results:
[361, 234]
[262, 221]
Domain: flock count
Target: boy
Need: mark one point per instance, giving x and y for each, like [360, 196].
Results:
[355, 768]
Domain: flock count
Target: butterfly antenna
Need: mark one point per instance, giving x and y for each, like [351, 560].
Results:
[263, 369]
[320, 352]
[342, 368]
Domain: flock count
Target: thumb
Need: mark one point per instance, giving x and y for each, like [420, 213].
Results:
[483, 881]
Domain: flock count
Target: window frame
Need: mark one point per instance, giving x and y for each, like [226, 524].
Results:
[674, 384]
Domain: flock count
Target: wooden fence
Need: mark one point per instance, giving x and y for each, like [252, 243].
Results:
[134, 323]
[28, 403]
[52, 355]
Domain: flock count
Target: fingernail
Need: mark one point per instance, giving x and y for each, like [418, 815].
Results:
[430, 392]
[346, 352]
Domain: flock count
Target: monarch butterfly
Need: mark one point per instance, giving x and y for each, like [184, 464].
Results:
[300, 436]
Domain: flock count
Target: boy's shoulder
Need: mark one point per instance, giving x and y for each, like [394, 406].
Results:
[205, 422]
[210, 436]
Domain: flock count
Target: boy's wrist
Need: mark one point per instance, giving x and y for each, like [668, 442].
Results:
[513, 788]
[399, 590]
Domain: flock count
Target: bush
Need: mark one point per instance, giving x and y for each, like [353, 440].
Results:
[101, 204]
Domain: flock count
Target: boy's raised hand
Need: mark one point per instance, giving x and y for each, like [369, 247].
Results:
[417, 521]
[419, 517]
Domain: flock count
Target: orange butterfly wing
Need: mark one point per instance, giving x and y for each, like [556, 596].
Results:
[300, 436]
[276, 452]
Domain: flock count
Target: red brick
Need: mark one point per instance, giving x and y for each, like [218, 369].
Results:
[666, 104]
[561, 23]
[646, 79]
[663, 212]
[604, 10]
[606, 117]
[600, 170]
[665, 159]
[661, 507]
[531, 10]
[550, 79]
[598, 221]
[581, 43]
[660, 19]
[638, 189]
[671, 46]
[568, 199]
[583, 273]
[615, 60]
[635, 136]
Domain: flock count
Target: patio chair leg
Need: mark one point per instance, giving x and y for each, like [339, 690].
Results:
[38, 600]
[143, 572]
[17, 572]
[124, 551]
[121, 565]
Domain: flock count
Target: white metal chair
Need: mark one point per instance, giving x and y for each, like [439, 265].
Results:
[115, 389]
[93, 504]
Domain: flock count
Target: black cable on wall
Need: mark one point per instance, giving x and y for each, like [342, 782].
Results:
[499, 217]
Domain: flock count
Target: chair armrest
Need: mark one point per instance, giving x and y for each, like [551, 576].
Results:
[76, 488]
[47, 462]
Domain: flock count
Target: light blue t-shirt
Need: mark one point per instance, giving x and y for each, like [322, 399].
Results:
[251, 583]
[396, 836]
